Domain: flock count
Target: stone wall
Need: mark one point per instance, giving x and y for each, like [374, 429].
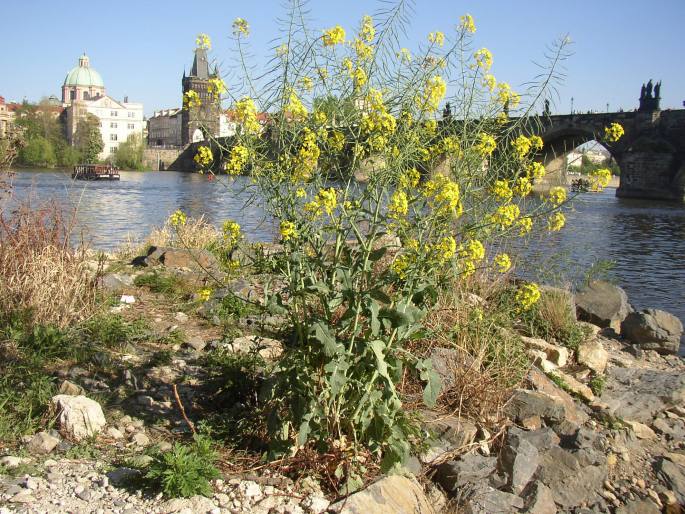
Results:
[158, 159]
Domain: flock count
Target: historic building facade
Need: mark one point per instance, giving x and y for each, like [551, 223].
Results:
[6, 117]
[83, 93]
[200, 121]
[164, 128]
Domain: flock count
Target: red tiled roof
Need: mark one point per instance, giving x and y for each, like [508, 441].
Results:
[2, 100]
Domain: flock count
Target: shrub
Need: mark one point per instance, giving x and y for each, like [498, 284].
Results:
[185, 470]
[112, 330]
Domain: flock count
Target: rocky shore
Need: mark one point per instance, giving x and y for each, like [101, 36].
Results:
[598, 428]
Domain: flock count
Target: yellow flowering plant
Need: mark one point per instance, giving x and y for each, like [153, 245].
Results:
[378, 202]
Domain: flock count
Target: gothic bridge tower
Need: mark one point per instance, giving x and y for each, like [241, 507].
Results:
[198, 123]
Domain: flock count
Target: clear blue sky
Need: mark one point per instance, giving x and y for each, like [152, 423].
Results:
[141, 47]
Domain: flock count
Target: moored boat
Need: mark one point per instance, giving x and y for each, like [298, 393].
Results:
[95, 172]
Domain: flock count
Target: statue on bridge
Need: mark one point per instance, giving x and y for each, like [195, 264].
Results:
[649, 102]
[447, 112]
[546, 112]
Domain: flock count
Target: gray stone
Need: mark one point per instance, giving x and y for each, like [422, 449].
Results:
[389, 495]
[673, 476]
[572, 411]
[196, 343]
[71, 389]
[10, 461]
[446, 361]
[525, 404]
[470, 468]
[593, 355]
[489, 501]
[602, 304]
[181, 317]
[640, 394]
[645, 506]
[457, 432]
[194, 505]
[115, 282]
[538, 499]
[557, 355]
[43, 443]
[543, 439]
[653, 329]
[267, 348]
[141, 439]
[122, 476]
[79, 416]
[197, 259]
[519, 460]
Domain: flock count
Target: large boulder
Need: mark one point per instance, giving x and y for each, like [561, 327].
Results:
[389, 495]
[192, 258]
[602, 304]
[653, 329]
[78, 416]
[459, 474]
[593, 355]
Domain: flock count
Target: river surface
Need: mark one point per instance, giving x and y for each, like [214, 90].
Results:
[645, 240]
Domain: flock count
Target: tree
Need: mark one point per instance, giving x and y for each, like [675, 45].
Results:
[88, 139]
[38, 152]
[10, 146]
[130, 153]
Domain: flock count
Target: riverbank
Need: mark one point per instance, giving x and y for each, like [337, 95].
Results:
[587, 418]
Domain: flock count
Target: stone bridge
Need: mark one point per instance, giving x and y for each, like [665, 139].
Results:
[650, 155]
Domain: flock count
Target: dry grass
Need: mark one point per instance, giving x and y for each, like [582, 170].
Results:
[41, 274]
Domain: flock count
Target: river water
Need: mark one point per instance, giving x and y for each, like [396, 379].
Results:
[644, 239]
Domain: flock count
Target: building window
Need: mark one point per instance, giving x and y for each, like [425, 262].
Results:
[86, 96]
[72, 95]
[113, 124]
[113, 114]
[131, 126]
[113, 137]
[131, 114]
[112, 149]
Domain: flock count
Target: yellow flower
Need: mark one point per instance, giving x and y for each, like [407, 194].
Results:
[447, 195]
[300, 193]
[599, 179]
[400, 265]
[409, 178]
[204, 294]
[437, 38]
[204, 156]
[446, 248]
[320, 117]
[450, 145]
[203, 42]
[246, 115]
[527, 296]
[240, 27]
[325, 200]
[473, 250]
[502, 262]
[466, 24]
[216, 87]
[307, 83]
[238, 158]
[399, 205]
[536, 170]
[521, 146]
[178, 219]
[613, 132]
[334, 36]
[231, 231]
[405, 55]
[490, 82]
[505, 215]
[368, 31]
[288, 230]
[557, 195]
[486, 144]
[307, 156]
[506, 95]
[323, 73]
[483, 59]
[536, 142]
[556, 221]
[431, 126]
[525, 225]
[282, 50]
[522, 186]
[501, 190]
[359, 77]
[433, 92]
[364, 52]
[336, 140]
[348, 65]
[295, 108]
[191, 99]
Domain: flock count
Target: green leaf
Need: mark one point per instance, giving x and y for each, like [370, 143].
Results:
[375, 323]
[432, 380]
[378, 294]
[322, 334]
[378, 348]
[377, 254]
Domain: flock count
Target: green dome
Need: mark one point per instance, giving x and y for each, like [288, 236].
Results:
[83, 75]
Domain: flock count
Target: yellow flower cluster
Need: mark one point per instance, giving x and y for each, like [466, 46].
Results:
[326, 200]
[231, 231]
[336, 141]
[522, 186]
[320, 117]
[522, 146]
[501, 190]
[525, 225]
[556, 221]
[437, 38]
[466, 24]
[433, 92]
[483, 58]
[367, 31]
[191, 99]
[282, 50]
[399, 204]
[203, 41]
[364, 52]
[204, 156]
[486, 144]
[536, 142]
[472, 250]
[527, 296]
[405, 55]
[288, 230]
[334, 36]
[377, 121]
[505, 215]
[613, 132]
[599, 179]
[246, 115]
[409, 178]
[506, 95]
[307, 157]
[216, 87]
[238, 158]
[536, 170]
[322, 72]
[204, 294]
[490, 82]
[556, 195]
[295, 108]
[240, 27]
[502, 262]
[400, 265]
[359, 77]
[445, 249]
[446, 195]
[178, 219]
[307, 83]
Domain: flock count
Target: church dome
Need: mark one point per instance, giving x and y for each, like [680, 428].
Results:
[83, 75]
